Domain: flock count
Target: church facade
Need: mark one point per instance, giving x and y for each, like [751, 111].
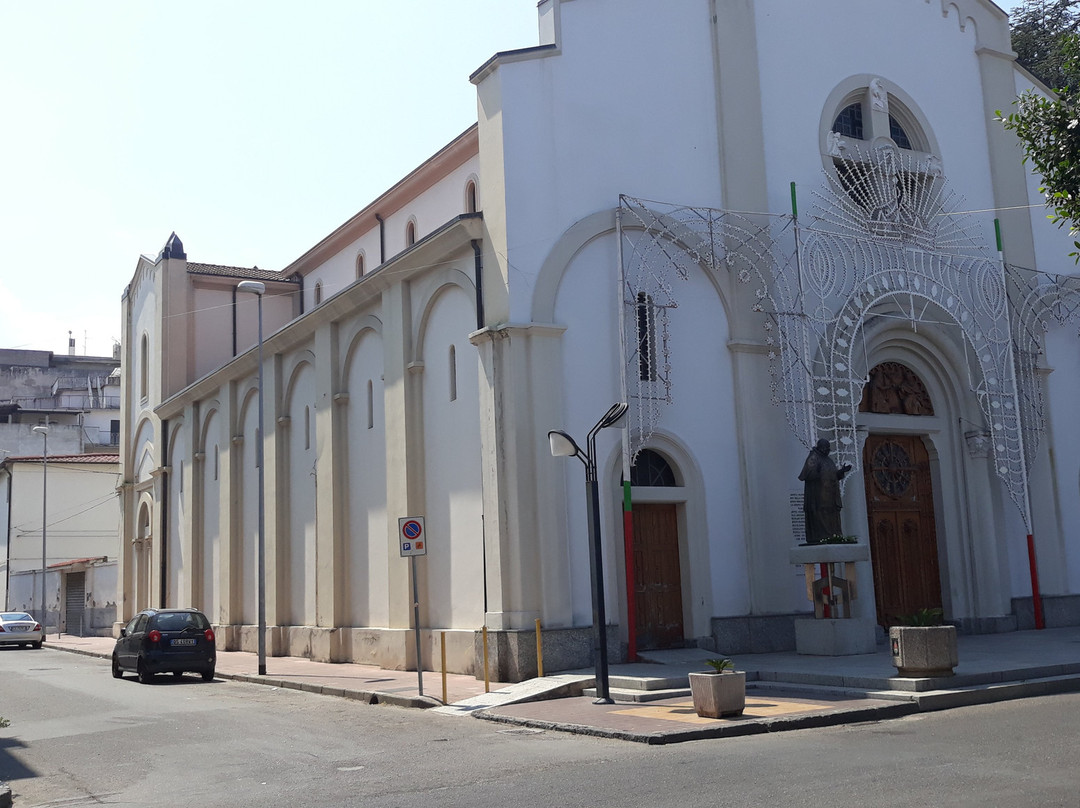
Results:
[760, 224]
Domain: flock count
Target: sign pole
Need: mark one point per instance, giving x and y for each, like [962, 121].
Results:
[416, 627]
[413, 543]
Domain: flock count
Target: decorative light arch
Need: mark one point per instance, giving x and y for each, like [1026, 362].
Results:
[897, 246]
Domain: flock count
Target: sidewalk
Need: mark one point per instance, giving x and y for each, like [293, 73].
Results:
[361, 682]
[784, 690]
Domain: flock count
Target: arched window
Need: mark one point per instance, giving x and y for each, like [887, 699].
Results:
[144, 367]
[453, 373]
[410, 233]
[646, 338]
[470, 197]
[360, 265]
[318, 293]
[370, 405]
[849, 122]
[651, 469]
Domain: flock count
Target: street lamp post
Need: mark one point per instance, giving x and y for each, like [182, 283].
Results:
[44, 432]
[258, 289]
[562, 445]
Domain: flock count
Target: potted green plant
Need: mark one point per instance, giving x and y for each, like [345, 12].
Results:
[718, 692]
[922, 646]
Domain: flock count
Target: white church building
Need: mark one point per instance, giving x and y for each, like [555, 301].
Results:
[759, 223]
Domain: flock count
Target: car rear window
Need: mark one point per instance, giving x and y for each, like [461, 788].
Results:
[16, 616]
[178, 621]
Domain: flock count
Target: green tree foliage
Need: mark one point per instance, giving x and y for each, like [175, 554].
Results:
[1041, 30]
[1046, 37]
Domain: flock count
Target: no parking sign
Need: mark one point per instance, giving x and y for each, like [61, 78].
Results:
[412, 537]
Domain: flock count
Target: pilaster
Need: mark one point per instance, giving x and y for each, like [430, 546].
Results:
[527, 557]
[401, 438]
[329, 504]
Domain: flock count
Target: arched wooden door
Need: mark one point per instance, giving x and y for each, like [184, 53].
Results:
[903, 541]
[658, 595]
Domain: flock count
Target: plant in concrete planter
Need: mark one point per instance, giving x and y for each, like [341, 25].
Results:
[720, 691]
[922, 646]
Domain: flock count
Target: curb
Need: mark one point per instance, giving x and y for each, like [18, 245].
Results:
[733, 730]
[365, 696]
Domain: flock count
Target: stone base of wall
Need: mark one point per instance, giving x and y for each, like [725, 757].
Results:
[986, 625]
[512, 654]
[1058, 611]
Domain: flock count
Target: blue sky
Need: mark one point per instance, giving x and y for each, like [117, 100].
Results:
[252, 129]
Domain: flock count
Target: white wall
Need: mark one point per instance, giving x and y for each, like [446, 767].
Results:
[367, 547]
[451, 429]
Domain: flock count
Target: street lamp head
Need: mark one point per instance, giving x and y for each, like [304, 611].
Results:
[41, 430]
[562, 445]
[255, 287]
[614, 416]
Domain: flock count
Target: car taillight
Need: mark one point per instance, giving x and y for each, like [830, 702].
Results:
[209, 634]
[37, 626]
[1, 628]
[154, 636]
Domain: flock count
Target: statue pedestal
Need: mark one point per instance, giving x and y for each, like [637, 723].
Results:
[831, 586]
[835, 636]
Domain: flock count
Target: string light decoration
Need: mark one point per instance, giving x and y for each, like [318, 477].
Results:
[886, 237]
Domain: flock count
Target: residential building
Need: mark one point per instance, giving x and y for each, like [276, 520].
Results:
[77, 497]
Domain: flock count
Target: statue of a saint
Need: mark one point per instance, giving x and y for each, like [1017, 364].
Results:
[821, 493]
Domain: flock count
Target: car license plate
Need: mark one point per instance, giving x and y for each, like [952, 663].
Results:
[183, 642]
[20, 628]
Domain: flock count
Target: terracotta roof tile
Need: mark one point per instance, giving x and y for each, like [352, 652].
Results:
[98, 459]
[250, 273]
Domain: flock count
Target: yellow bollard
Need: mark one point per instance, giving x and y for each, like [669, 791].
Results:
[487, 680]
[442, 640]
[539, 651]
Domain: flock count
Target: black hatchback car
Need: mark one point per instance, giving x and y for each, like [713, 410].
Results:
[166, 641]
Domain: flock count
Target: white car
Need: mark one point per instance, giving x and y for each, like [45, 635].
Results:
[19, 628]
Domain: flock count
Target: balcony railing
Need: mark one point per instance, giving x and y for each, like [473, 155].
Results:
[66, 402]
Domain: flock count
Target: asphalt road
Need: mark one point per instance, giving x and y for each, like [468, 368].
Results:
[80, 738]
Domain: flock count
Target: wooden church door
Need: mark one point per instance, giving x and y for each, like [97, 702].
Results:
[900, 510]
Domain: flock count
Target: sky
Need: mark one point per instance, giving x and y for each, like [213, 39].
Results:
[252, 129]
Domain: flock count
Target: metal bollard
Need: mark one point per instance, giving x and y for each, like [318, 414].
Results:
[539, 651]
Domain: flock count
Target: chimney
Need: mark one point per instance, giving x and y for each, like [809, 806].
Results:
[71, 344]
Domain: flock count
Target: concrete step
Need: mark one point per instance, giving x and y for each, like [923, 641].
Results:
[639, 696]
[648, 682]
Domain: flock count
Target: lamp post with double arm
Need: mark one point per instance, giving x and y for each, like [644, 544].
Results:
[562, 445]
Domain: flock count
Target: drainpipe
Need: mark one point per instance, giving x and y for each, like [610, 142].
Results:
[234, 321]
[382, 238]
[7, 538]
[300, 284]
[164, 530]
[478, 265]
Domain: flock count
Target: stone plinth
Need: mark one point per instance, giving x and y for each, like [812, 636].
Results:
[833, 592]
[835, 636]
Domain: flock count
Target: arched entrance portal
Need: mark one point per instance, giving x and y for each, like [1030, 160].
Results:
[900, 499]
[658, 592]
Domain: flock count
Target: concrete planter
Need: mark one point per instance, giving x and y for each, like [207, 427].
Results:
[718, 694]
[923, 651]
